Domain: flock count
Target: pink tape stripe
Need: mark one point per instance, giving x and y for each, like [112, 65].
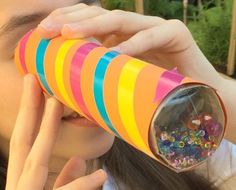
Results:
[22, 50]
[168, 81]
[75, 75]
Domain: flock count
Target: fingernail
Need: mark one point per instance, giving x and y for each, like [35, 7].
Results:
[46, 24]
[94, 40]
[49, 25]
[46, 32]
[99, 174]
[117, 48]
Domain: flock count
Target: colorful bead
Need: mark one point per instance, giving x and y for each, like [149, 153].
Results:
[213, 128]
[197, 141]
[211, 138]
[185, 138]
[171, 153]
[196, 122]
[207, 117]
[202, 133]
[214, 146]
[208, 145]
[205, 153]
[209, 153]
[193, 124]
[171, 139]
[164, 135]
[181, 144]
[166, 143]
[190, 143]
[190, 161]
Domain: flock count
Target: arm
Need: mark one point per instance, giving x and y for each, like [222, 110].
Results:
[228, 93]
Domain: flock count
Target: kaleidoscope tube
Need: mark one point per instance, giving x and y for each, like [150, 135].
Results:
[173, 119]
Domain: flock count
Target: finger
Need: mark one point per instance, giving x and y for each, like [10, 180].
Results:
[25, 130]
[89, 182]
[69, 9]
[52, 25]
[37, 162]
[167, 38]
[79, 15]
[74, 168]
[48, 25]
[116, 21]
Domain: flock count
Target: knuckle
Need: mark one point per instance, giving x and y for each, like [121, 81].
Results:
[180, 27]
[177, 23]
[149, 36]
[57, 12]
[53, 17]
[117, 13]
[94, 8]
[82, 5]
[118, 17]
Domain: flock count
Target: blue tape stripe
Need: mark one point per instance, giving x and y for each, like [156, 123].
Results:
[100, 72]
[40, 63]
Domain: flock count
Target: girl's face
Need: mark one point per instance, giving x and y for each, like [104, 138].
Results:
[73, 140]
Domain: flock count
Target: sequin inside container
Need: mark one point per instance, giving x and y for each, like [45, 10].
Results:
[187, 126]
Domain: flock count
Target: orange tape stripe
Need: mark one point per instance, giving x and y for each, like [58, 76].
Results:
[50, 58]
[111, 95]
[87, 78]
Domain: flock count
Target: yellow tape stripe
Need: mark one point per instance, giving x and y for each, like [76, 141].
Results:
[126, 88]
[61, 55]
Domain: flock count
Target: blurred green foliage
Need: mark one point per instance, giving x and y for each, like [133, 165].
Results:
[164, 8]
[167, 9]
[128, 5]
[210, 23]
[212, 32]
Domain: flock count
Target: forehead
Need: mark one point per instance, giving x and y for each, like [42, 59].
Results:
[10, 8]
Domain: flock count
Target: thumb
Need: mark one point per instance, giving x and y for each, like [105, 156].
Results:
[74, 168]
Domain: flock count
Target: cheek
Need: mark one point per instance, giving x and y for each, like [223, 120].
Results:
[87, 144]
[10, 92]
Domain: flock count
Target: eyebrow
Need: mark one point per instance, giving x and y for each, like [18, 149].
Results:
[18, 21]
[21, 20]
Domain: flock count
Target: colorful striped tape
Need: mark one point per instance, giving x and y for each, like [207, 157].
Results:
[80, 97]
[103, 85]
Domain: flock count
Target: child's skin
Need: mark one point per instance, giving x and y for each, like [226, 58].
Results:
[157, 40]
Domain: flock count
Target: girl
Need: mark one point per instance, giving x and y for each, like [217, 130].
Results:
[43, 140]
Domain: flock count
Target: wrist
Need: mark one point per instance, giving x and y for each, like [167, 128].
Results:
[227, 92]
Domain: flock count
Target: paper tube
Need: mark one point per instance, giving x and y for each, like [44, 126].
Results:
[175, 120]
